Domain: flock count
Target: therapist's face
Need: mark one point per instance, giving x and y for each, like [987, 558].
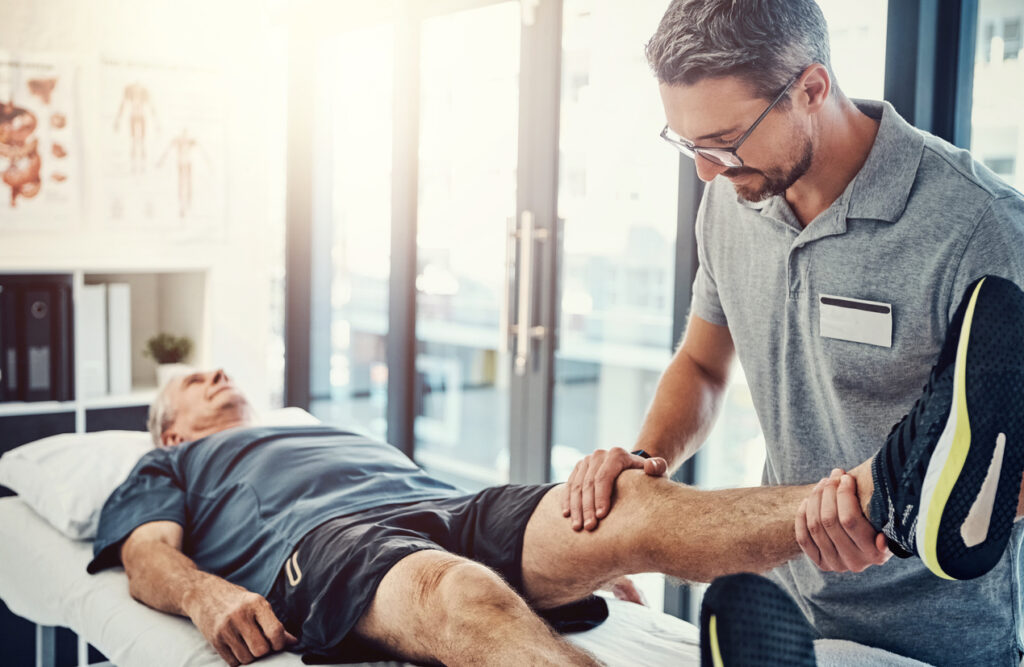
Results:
[204, 402]
[716, 112]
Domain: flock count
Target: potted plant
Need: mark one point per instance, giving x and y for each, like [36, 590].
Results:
[169, 352]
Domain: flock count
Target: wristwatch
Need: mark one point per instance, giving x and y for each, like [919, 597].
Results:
[640, 452]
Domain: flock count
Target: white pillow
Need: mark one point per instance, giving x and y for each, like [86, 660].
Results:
[66, 478]
[286, 417]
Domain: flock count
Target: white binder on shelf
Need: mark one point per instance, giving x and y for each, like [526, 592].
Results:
[92, 340]
[119, 334]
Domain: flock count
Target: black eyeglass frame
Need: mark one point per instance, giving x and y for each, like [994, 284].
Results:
[688, 148]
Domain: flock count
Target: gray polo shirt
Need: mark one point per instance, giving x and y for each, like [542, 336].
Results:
[919, 222]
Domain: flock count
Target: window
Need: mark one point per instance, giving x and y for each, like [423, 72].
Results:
[856, 33]
[1011, 38]
[997, 124]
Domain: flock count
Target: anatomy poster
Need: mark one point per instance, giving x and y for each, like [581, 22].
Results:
[163, 129]
[39, 154]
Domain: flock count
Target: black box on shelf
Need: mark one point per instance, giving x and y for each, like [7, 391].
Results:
[36, 338]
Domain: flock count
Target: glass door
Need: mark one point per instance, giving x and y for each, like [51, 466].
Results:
[469, 106]
[524, 204]
[617, 196]
[354, 90]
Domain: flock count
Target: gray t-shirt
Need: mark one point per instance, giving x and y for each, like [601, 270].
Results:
[919, 222]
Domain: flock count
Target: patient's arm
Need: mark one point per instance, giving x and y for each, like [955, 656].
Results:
[239, 624]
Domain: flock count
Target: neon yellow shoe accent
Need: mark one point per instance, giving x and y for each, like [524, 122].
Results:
[961, 445]
[716, 655]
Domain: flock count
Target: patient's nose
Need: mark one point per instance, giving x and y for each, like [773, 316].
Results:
[219, 376]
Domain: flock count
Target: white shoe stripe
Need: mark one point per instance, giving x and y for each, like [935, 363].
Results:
[975, 527]
[936, 463]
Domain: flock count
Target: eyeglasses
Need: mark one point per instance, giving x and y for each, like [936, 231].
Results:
[726, 156]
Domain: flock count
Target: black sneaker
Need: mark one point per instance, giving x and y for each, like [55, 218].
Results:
[948, 477]
[746, 619]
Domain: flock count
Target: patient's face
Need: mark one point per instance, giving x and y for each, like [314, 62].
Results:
[205, 402]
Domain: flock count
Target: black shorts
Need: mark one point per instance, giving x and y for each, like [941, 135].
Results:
[330, 579]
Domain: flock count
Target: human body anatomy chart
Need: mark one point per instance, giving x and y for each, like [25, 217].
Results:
[163, 131]
[39, 154]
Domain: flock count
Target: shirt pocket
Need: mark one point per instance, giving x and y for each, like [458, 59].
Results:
[889, 375]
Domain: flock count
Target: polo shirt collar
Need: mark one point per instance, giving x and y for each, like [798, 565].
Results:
[882, 186]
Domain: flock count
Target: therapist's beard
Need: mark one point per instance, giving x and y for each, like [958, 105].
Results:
[774, 181]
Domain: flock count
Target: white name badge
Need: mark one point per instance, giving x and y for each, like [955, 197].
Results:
[855, 320]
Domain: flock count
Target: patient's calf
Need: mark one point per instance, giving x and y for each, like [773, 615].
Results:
[658, 526]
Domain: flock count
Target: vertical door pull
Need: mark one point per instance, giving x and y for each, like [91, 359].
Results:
[524, 332]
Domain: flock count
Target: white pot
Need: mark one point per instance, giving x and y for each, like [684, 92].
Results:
[167, 372]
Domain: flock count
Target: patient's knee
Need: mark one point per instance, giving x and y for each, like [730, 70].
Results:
[462, 589]
[635, 487]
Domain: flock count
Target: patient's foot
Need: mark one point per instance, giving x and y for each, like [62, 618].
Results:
[745, 619]
[947, 479]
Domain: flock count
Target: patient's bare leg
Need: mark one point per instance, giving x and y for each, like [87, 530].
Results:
[658, 526]
[433, 606]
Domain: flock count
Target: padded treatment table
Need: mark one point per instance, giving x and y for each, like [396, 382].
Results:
[43, 579]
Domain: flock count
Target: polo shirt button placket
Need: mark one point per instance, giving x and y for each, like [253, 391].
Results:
[793, 273]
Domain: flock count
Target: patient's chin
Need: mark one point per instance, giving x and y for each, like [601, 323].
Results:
[234, 409]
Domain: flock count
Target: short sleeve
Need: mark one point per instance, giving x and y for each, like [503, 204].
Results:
[152, 492]
[995, 248]
[705, 303]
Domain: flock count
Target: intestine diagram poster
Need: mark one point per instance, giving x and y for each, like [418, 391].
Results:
[39, 149]
[163, 130]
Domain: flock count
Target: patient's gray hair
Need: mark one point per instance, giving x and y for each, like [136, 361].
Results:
[161, 413]
[764, 42]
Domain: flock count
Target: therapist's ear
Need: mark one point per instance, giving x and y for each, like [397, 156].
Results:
[814, 90]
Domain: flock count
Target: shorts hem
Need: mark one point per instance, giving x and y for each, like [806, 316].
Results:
[373, 583]
[520, 585]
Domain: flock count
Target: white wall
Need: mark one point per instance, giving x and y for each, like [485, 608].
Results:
[235, 35]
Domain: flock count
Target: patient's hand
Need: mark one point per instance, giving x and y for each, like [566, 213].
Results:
[589, 497]
[833, 531]
[239, 624]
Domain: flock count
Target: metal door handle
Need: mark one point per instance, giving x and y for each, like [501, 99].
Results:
[524, 332]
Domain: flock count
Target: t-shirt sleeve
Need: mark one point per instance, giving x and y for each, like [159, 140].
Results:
[995, 248]
[705, 303]
[152, 492]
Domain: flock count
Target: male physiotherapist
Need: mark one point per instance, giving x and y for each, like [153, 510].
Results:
[835, 242]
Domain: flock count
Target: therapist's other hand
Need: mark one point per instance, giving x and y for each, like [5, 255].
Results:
[832, 530]
[589, 497]
[239, 624]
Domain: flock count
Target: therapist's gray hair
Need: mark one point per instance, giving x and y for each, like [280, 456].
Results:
[764, 42]
[161, 413]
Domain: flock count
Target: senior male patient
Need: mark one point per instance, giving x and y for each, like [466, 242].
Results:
[333, 544]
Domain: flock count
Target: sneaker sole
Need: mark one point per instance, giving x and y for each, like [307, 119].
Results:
[747, 620]
[970, 490]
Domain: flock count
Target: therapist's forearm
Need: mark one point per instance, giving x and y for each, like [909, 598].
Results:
[684, 409]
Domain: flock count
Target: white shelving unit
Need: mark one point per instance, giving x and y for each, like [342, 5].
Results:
[163, 300]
